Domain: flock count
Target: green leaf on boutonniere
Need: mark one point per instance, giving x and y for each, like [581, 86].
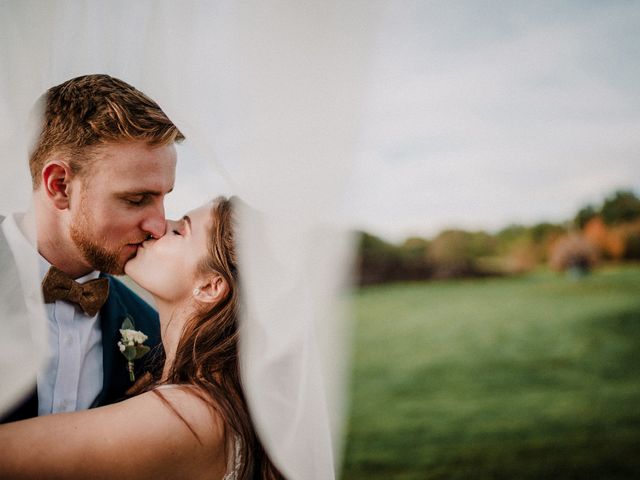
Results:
[130, 352]
[128, 324]
[141, 351]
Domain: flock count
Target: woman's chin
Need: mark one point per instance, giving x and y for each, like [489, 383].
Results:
[131, 271]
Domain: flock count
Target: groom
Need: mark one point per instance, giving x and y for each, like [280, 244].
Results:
[102, 164]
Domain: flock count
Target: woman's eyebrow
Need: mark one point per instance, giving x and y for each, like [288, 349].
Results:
[187, 221]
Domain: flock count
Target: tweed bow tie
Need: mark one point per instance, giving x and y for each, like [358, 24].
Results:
[91, 295]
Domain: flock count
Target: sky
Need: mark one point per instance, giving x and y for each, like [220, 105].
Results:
[483, 114]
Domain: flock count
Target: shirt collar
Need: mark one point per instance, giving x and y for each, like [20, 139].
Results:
[22, 242]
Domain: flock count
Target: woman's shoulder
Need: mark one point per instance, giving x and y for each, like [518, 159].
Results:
[190, 407]
[190, 428]
[189, 400]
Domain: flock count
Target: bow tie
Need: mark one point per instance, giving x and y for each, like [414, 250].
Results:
[90, 296]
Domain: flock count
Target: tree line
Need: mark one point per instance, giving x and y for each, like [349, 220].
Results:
[608, 232]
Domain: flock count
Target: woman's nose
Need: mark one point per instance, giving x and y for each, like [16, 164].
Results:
[172, 225]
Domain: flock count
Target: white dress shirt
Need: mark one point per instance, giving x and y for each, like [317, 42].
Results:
[72, 377]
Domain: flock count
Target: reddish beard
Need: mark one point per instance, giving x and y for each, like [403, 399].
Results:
[99, 257]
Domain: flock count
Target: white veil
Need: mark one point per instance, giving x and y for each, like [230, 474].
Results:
[270, 92]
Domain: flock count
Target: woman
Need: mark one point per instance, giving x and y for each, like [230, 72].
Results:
[193, 422]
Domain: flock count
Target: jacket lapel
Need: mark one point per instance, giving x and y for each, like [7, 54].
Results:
[114, 377]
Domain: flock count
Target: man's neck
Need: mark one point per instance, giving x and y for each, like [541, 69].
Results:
[53, 244]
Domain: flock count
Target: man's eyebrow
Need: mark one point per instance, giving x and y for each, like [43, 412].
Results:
[154, 193]
[187, 220]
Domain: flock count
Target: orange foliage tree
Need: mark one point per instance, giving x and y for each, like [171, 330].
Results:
[609, 241]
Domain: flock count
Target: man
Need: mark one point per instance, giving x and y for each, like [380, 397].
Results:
[101, 167]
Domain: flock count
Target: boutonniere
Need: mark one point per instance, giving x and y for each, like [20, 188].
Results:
[131, 344]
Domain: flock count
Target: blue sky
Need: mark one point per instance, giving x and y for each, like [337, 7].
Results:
[481, 114]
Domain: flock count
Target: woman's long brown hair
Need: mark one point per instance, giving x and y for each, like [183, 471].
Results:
[207, 354]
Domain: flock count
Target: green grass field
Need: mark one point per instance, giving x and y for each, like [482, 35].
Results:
[528, 378]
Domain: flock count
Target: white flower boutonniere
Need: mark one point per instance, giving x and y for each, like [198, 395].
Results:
[131, 344]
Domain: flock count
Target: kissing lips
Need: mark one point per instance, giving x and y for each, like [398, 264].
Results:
[132, 248]
[147, 242]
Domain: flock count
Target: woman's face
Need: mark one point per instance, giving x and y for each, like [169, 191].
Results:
[168, 267]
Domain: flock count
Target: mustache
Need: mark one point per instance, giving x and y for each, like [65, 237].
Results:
[139, 240]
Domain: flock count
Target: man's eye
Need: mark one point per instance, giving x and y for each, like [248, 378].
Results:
[135, 201]
[176, 232]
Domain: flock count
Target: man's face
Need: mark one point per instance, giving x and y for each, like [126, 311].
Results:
[119, 202]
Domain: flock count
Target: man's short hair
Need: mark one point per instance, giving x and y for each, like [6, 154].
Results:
[91, 110]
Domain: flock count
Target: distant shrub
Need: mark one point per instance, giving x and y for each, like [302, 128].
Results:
[456, 253]
[573, 253]
[524, 248]
[521, 258]
[380, 261]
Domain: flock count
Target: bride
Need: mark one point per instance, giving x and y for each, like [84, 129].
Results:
[191, 423]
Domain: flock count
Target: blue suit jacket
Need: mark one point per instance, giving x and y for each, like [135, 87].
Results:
[122, 302]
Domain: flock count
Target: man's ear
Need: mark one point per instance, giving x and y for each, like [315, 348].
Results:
[211, 289]
[56, 179]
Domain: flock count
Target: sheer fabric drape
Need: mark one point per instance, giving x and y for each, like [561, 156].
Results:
[270, 93]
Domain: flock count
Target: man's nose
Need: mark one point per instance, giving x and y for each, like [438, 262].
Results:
[155, 224]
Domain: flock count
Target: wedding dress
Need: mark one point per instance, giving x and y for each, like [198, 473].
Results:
[234, 461]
